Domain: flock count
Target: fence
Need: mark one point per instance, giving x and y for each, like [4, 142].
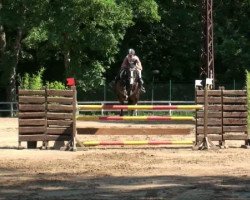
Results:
[8, 109]
[170, 91]
[157, 93]
[50, 115]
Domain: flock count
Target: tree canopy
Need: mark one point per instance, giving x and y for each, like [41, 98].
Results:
[88, 39]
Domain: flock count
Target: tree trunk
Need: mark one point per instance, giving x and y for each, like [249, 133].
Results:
[11, 92]
[66, 59]
[2, 38]
[66, 54]
[2, 42]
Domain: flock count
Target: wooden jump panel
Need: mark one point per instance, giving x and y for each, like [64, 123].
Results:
[60, 100]
[46, 115]
[31, 92]
[226, 114]
[31, 100]
[61, 93]
[60, 122]
[32, 130]
[133, 131]
[58, 137]
[31, 115]
[31, 138]
[59, 107]
[59, 131]
[31, 107]
[52, 115]
[210, 93]
[60, 113]
[32, 122]
[224, 137]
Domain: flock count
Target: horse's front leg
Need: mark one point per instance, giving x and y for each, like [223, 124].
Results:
[121, 113]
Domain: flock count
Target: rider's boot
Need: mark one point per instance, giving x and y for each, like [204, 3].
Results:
[141, 85]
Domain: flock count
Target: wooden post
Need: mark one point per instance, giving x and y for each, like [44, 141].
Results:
[75, 111]
[222, 142]
[205, 143]
[45, 140]
[19, 142]
[74, 118]
[196, 116]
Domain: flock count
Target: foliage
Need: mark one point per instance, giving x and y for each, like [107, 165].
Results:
[232, 41]
[36, 80]
[33, 81]
[170, 45]
[25, 82]
[88, 32]
[55, 85]
[88, 39]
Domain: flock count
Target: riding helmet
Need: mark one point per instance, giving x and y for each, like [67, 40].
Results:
[131, 51]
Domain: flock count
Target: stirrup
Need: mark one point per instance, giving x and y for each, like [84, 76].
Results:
[141, 81]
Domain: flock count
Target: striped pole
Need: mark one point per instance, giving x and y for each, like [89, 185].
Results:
[134, 118]
[140, 142]
[140, 107]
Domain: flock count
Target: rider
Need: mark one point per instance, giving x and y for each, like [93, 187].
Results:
[132, 59]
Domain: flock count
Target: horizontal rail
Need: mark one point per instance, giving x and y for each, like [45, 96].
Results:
[140, 142]
[133, 118]
[12, 107]
[140, 107]
[139, 102]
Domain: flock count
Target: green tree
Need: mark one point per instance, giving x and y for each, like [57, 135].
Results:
[232, 41]
[172, 44]
[17, 18]
[85, 34]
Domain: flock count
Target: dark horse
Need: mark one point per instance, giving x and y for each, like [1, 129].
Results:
[127, 87]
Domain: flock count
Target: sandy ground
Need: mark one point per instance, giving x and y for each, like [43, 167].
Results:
[122, 172]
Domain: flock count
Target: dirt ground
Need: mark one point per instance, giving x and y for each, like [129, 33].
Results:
[121, 172]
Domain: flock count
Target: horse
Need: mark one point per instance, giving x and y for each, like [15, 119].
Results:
[127, 87]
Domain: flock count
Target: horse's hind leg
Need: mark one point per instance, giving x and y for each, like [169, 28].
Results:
[130, 112]
[121, 113]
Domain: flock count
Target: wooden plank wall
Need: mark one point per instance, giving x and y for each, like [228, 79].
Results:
[60, 117]
[46, 115]
[32, 115]
[234, 115]
[227, 115]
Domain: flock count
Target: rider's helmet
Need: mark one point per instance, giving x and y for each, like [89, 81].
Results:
[131, 52]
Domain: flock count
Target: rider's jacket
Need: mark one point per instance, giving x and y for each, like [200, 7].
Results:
[130, 61]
